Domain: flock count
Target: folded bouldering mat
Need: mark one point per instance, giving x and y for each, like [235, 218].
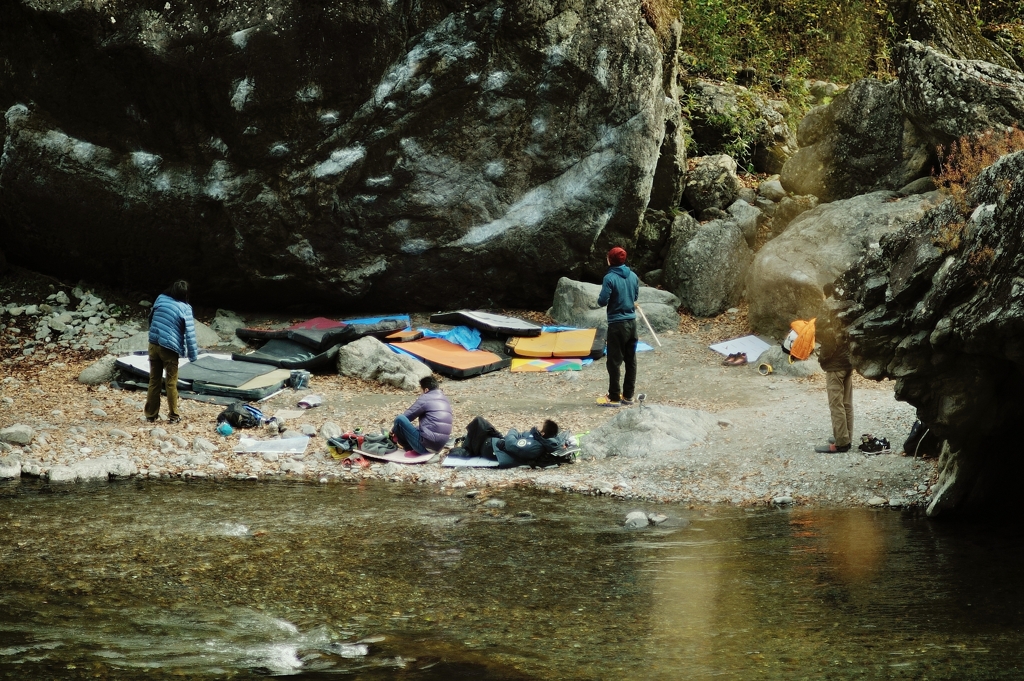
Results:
[321, 333]
[287, 354]
[182, 394]
[450, 359]
[257, 388]
[397, 456]
[137, 364]
[520, 364]
[577, 343]
[488, 322]
[403, 336]
[222, 371]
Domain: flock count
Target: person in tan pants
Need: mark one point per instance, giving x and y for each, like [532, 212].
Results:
[834, 358]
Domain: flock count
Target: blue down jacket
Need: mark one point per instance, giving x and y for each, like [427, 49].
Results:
[619, 290]
[435, 414]
[171, 326]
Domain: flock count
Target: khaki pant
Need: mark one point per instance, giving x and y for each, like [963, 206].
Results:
[161, 359]
[839, 385]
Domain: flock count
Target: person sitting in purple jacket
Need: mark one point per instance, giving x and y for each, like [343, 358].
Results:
[434, 412]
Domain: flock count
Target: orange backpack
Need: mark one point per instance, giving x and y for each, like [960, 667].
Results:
[803, 346]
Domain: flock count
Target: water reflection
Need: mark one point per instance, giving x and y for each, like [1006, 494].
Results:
[383, 581]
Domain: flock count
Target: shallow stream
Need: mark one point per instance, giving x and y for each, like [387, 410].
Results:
[383, 581]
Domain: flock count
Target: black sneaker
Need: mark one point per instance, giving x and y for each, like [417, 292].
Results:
[174, 419]
[152, 419]
[627, 401]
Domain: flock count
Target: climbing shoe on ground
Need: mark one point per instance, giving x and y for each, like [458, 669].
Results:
[831, 447]
[608, 402]
[152, 419]
[174, 419]
[627, 401]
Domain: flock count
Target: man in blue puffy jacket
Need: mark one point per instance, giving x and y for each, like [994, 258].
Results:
[619, 291]
[172, 333]
[434, 412]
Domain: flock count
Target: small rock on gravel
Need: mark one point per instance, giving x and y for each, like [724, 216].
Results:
[782, 501]
[495, 503]
[18, 434]
[877, 501]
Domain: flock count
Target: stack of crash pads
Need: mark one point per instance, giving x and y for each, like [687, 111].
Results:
[213, 375]
[314, 343]
[561, 350]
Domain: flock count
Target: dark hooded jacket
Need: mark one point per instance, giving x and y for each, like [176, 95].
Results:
[619, 291]
[834, 352]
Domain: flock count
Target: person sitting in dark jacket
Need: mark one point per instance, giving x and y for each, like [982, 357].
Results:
[434, 412]
[172, 333]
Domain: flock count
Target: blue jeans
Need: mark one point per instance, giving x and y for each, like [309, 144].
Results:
[408, 435]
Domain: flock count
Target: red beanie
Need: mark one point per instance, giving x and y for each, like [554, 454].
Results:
[617, 256]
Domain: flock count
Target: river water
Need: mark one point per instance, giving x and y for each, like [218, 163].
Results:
[205, 580]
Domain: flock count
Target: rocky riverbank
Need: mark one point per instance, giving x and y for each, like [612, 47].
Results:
[760, 450]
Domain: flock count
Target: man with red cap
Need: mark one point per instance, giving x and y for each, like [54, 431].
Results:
[619, 291]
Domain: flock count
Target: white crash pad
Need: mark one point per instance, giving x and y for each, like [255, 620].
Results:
[751, 345]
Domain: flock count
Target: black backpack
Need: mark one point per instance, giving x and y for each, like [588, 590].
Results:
[241, 415]
[922, 442]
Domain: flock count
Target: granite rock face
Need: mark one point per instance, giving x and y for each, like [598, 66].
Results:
[357, 153]
[860, 143]
[947, 97]
[938, 307]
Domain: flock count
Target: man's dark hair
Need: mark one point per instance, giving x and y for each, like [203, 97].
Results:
[178, 290]
[429, 383]
[549, 429]
[828, 289]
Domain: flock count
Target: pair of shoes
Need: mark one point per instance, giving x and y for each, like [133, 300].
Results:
[736, 359]
[174, 418]
[831, 447]
[608, 402]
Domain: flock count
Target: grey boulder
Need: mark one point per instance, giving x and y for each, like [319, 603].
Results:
[648, 431]
[706, 265]
[369, 359]
[711, 184]
[10, 467]
[781, 365]
[100, 371]
[575, 304]
[636, 520]
[18, 434]
[103, 468]
[747, 217]
[225, 322]
[786, 278]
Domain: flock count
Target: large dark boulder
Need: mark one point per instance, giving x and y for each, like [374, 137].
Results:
[707, 264]
[860, 143]
[371, 154]
[940, 309]
[786, 278]
[949, 27]
[947, 97]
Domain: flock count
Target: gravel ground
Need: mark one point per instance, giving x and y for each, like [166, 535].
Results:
[762, 452]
